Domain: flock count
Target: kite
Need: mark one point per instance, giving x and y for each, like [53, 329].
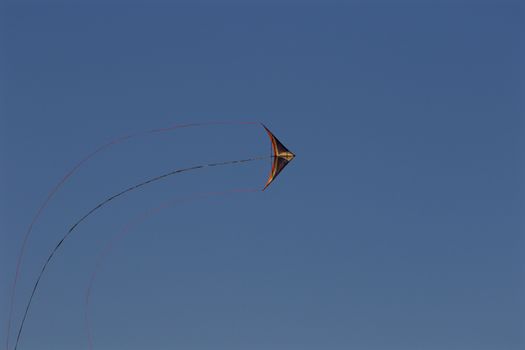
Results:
[281, 156]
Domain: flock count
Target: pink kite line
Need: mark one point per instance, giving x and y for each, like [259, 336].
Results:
[130, 225]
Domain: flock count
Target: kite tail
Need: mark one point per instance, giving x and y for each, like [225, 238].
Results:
[100, 205]
[73, 170]
[126, 230]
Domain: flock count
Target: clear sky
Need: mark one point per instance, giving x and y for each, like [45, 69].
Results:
[400, 224]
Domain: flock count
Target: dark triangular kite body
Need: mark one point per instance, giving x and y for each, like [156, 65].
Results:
[281, 156]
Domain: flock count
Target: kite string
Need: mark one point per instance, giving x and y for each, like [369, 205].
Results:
[188, 125]
[129, 226]
[40, 210]
[101, 204]
[64, 179]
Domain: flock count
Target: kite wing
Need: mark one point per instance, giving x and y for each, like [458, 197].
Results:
[281, 156]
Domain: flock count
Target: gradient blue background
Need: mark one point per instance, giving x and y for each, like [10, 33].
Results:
[398, 226]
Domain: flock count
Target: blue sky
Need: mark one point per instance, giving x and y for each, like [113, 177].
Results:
[398, 226]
